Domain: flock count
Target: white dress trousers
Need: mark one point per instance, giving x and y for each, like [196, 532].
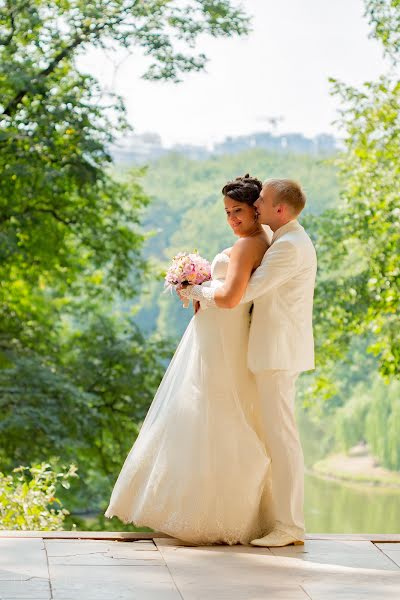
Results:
[276, 389]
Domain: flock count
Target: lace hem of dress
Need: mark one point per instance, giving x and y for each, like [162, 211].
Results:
[193, 535]
[124, 518]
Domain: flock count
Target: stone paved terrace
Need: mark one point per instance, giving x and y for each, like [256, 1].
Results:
[153, 566]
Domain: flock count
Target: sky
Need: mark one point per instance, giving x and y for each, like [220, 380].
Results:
[280, 70]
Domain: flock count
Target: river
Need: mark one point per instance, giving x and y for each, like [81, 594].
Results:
[338, 507]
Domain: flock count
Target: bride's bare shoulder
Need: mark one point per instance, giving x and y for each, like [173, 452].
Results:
[251, 249]
[257, 244]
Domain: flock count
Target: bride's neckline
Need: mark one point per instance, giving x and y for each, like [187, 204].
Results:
[223, 254]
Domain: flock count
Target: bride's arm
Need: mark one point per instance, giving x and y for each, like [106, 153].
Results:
[243, 256]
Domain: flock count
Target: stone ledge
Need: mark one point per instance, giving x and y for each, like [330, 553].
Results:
[87, 535]
[148, 535]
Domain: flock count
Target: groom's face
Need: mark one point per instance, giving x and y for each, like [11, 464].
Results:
[266, 210]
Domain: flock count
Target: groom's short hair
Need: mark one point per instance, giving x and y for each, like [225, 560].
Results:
[288, 192]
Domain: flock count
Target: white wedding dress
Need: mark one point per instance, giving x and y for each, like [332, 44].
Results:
[198, 469]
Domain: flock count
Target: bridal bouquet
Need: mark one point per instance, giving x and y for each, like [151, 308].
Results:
[187, 268]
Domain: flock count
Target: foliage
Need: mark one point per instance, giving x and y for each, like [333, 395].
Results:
[28, 500]
[62, 215]
[65, 223]
[53, 30]
[67, 227]
[120, 367]
[85, 405]
[357, 294]
[372, 415]
[358, 242]
[383, 424]
[384, 17]
[44, 413]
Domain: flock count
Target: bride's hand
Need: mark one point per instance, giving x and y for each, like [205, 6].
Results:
[185, 301]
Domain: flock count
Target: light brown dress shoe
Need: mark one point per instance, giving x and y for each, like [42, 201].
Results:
[276, 537]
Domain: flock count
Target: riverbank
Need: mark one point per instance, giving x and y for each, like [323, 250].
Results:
[358, 467]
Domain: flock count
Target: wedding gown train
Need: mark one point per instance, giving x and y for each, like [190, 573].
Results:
[198, 469]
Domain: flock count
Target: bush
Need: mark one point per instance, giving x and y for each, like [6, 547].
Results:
[28, 500]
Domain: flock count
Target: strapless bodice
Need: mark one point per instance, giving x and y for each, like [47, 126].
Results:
[219, 266]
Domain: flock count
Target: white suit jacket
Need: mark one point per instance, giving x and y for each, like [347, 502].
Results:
[282, 288]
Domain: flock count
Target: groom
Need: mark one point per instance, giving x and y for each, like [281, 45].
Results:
[281, 346]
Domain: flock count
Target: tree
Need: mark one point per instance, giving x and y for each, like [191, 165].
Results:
[358, 242]
[62, 216]
[384, 18]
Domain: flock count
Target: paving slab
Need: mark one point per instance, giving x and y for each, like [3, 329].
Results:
[32, 589]
[71, 582]
[23, 569]
[393, 547]
[340, 554]
[222, 572]
[165, 568]
[247, 572]
[359, 591]
[106, 553]
[347, 564]
[105, 570]
[392, 551]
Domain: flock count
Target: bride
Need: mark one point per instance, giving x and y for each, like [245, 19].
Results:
[198, 469]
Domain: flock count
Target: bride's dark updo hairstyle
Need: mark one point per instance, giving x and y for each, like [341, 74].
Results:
[243, 189]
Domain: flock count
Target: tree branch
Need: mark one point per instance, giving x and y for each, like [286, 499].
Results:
[32, 209]
[12, 105]
[77, 41]
[7, 40]
[52, 212]
[13, 10]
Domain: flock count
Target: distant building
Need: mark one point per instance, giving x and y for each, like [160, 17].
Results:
[146, 147]
[289, 142]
